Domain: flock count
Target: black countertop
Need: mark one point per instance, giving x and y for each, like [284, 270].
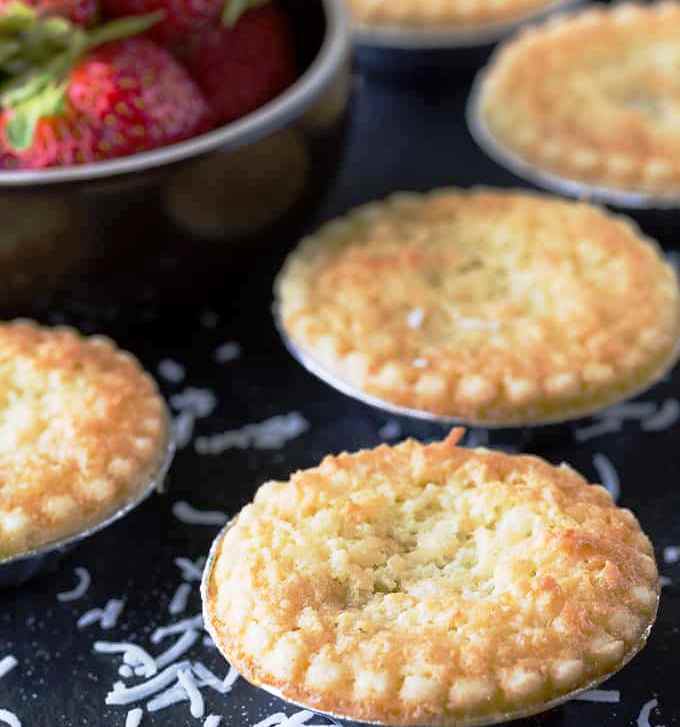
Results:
[401, 137]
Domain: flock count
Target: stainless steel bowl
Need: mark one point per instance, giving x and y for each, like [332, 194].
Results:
[19, 568]
[146, 227]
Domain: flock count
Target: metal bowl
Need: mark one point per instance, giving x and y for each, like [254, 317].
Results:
[145, 227]
[19, 568]
[391, 49]
[350, 722]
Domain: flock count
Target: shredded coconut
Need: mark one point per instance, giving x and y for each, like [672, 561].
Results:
[125, 671]
[7, 664]
[167, 698]
[132, 655]
[80, 590]
[187, 514]
[273, 719]
[212, 720]
[390, 430]
[269, 434]
[415, 318]
[120, 695]
[178, 603]
[111, 613]
[597, 429]
[190, 571]
[183, 425]
[227, 352]
[134, 717]
[610, 696]
[199, 402]
[629, 410]
[90, 617]
[9, 718]
[223, 686]
[171, 371]
[667, 415]
[643, 717]
[187, 624]
[179, 648]
[197, 705]
[671, 554]
[608, 474]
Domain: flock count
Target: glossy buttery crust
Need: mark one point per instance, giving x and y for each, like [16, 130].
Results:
[82, 428]
[493, 307]
[441, 14]
[593, 97]
[431, 584]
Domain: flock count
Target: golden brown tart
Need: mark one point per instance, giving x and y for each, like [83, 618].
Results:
[82, 430]
[441, 14]
[493, 307]
[431, 584]
[593, 97]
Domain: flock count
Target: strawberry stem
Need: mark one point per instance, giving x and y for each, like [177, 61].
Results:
[234, 9]
[123, 28]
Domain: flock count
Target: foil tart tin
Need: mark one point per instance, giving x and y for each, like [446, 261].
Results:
[348, 721]
[17, 569]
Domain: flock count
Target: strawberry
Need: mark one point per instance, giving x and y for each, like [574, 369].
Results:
[120, 98]
[183, 18]
[80, 12]
[243, 65]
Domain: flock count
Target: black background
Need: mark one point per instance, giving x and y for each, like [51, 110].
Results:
[403, 136]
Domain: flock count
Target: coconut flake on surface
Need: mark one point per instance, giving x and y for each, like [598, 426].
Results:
[212, 720]
[187, 624]
[196, 703]
[629, 410]
[179, 648]
[111, 613]
[415, 318]
[610, 696]
[90, 617]
[84, 580]
[9, 718]
[608, 475]
[122, 695]
[134, 717]
[272, 720]
[199, 402]
[171, 371]
[597, 429]
[178, 603]
[223, 686]
[671, 554]
[667, 415]
[183, 426]
[390, 430]
[191, 571]
[271, 433]
[167, 698]
[643, 717]
[125, 671]
[227, 352]
[7, 663]
[133, 655]
[189, 515]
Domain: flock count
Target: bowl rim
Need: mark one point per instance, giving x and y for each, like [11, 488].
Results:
[252, 127]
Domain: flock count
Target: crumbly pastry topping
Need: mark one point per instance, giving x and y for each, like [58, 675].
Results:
[431, 584]
[593, 97]
[489, 306]
[440, 14]
[82, 428]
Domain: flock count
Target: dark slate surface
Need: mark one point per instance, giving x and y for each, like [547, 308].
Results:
[402, 137]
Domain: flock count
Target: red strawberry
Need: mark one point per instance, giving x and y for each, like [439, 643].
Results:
[183, 18]
[80, 12]
[242, 67]
[122, 98]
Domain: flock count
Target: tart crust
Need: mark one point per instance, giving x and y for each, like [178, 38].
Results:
[593, 96]
[434, 15]
[491, 307]
[431, 584]
[82, 430]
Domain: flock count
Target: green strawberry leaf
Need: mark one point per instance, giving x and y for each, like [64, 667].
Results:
[123, 28]
[233, 9]
[21, 127]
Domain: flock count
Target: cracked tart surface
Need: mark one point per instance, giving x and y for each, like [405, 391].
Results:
[430, 584]
[487, 306]
[82, 431]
